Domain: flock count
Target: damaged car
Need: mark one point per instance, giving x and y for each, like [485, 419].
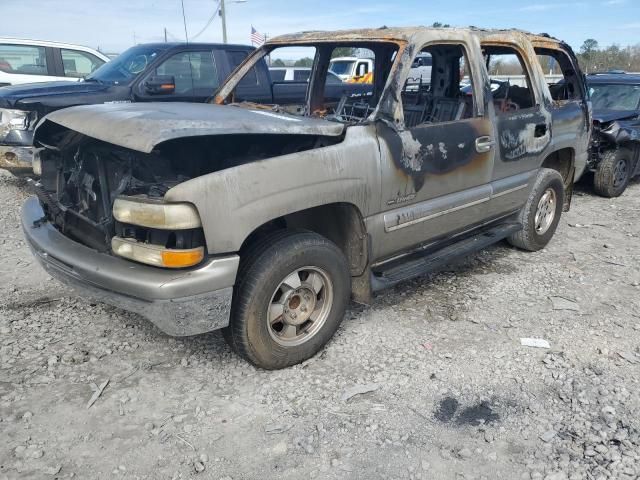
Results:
[264, 219]
[615, 146]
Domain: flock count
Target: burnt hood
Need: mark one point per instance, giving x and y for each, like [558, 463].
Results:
[606, 116]
[17, 96]
[142, 126]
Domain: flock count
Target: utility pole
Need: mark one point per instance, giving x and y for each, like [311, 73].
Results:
[165, 34]
[223, 16]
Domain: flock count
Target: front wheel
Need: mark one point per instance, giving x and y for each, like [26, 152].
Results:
[291, 295]
[541, 214]
[613, 173]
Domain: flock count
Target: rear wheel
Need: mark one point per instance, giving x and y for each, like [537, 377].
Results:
[612, 176]
[291, 295]
[541, 214]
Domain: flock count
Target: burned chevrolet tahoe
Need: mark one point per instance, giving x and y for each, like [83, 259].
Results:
[264, 218]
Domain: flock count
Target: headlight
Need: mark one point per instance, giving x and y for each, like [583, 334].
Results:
[14, 119]
[156, 255]
[164, 216]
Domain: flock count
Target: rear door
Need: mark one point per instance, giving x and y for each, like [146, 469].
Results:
[437, 169]
[522, 119]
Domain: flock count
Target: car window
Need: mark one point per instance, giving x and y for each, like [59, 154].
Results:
[510, 81]
[128, 65]
[341, 67]
[192, 72]
[23, 59]
[236, 57]
[278, 75]
[301, 75]
[448, 97]
[79, 64]
[615, 96]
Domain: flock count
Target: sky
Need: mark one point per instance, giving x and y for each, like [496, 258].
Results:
[115, 25]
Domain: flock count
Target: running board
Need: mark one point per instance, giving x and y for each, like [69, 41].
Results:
[428, 261]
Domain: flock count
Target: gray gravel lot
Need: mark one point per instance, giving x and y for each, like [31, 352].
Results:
[430, 382]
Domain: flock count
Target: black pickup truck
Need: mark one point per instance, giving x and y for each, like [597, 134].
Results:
[162, 72]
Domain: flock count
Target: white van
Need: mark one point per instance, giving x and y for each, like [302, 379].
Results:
[29, 61]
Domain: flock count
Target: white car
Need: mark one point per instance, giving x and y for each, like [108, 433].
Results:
[29, 61]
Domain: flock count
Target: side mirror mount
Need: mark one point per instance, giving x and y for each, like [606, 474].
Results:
[160, 85]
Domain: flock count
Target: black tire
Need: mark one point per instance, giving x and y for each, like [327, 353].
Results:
[608, 180]
[530, 238]
[263, 268]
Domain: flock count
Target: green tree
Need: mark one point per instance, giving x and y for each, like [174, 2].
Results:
[304, 62]
[278, 63]
[589, 46]
[440, 25]
[343, 52]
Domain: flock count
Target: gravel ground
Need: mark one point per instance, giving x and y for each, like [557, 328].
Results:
[430, 382]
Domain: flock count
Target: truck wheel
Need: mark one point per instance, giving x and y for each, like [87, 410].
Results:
[612, 176]
[290, 297]
[541, 213]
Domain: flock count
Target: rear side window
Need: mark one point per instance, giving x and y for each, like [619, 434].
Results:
[301, 75]
[79, 64]
[23, 59]
[278, 75]
[236, 57]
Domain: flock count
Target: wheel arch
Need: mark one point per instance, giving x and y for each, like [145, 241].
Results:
[340, 222]
[563, 161]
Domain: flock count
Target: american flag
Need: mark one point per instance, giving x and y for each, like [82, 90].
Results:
[256, 37]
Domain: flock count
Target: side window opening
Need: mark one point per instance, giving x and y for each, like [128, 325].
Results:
[316, 89]
[446, 94]
[564, 83]
[511, 85]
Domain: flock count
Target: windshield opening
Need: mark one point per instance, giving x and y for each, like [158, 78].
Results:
[325, 94]
[123, 69]
[615, 97]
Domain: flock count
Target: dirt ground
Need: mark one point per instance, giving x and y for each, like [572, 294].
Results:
[430, 382]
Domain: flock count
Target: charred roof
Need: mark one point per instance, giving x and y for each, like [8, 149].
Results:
[401, 34]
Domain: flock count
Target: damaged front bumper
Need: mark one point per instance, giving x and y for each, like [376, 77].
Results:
[180, 303]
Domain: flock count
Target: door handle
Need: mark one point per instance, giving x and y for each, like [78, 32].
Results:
[484, 144]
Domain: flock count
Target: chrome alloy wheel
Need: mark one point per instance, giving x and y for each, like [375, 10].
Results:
[300, 306]
[546, 212]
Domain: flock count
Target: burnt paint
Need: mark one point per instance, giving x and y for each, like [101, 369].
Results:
[523, 135]
[435, 149]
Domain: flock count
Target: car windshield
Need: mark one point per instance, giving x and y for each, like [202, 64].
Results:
[126, 67]
[615, 97]
[342, 67]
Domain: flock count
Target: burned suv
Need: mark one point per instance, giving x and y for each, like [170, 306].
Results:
[615, 146]
[264, 219]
